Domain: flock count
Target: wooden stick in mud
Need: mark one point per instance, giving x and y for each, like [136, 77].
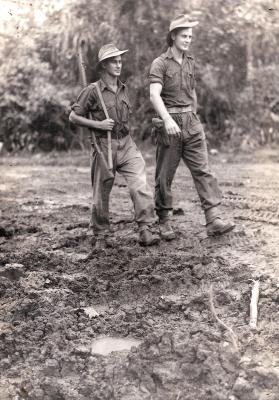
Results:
[220, 322]
[254, 305]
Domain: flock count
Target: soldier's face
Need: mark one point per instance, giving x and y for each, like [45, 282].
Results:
[182, 39]
[113, 66]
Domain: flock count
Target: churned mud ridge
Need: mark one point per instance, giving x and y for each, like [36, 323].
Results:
[51, 279]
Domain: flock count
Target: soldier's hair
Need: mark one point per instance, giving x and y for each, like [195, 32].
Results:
[169, 40]
[102, 64]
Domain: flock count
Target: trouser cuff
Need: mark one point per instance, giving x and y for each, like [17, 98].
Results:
[163, 216]
[211, 214]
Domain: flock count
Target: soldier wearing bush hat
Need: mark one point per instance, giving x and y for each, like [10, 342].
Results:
[180, 134]
[126, 158]
[109, 51]
[182, 21]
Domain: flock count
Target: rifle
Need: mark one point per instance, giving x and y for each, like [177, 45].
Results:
[108, 132]
[106, 170]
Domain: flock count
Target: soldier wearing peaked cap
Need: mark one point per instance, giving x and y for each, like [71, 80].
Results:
[179, 131]
[126, 158]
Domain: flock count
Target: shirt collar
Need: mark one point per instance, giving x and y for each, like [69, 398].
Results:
[104, 86]
[169, 54]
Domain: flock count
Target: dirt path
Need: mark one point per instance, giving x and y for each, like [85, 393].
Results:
[51, 284]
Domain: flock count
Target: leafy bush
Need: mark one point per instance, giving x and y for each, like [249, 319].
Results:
[256, 117]
[33, 111]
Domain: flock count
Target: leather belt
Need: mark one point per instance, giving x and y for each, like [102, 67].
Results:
[179, 110]
[119, 135]
[114, 135]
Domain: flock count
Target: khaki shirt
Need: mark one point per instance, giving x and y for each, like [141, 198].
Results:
[118, 105]
[178, 81]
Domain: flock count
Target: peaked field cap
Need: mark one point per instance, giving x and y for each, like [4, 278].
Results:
[108, 51]
[182, 21]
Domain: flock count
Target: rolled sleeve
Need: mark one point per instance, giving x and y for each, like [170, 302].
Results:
[84, 102]
[156, 74]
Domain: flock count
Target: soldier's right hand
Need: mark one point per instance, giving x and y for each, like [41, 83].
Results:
[106, 124]
[171, 127]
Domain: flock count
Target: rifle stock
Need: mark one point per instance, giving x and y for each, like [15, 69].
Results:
[106, 173]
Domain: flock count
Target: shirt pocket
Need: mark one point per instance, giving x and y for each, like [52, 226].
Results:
[172, 78]
[100, 113]
[126, 110]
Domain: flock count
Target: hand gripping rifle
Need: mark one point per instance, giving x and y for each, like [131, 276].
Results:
[106, 169]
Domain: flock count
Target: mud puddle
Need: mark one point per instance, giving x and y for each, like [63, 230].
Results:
[107, 345]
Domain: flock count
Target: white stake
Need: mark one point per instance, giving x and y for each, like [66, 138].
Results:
[254, 305]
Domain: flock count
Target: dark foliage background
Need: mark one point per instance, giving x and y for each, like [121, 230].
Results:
[235, 46]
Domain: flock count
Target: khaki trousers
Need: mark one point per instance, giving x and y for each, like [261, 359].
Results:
[192, 149]
[128, 161]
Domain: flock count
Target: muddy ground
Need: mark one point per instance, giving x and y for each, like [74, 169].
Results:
[49, 276]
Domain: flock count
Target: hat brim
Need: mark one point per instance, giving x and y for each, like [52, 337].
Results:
[185, 25]
[113, 54]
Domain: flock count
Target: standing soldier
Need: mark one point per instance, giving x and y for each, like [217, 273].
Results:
[126, 158]
[179, 131]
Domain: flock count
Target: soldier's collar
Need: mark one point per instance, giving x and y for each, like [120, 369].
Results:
[104, 86]
[169, 54]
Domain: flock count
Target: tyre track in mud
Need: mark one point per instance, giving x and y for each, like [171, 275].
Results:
[255, 210]
[158, 295]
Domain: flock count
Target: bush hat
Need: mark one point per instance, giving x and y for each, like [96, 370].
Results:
[182, 21]
[108, 51]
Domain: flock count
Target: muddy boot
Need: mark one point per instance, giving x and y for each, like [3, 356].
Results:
[147, 237]
[166, 231]
[219, 227]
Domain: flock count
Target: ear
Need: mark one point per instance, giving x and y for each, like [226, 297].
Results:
[173, 35]
[103, 65]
